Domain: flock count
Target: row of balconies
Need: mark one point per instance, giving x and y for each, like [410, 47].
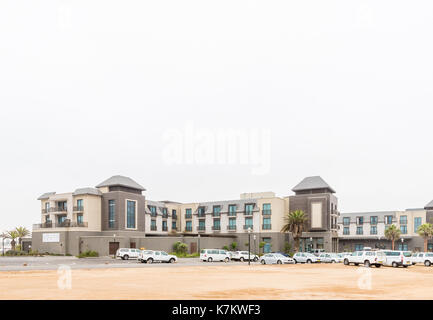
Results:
[230, 214]
[65, 224]
[62, 209]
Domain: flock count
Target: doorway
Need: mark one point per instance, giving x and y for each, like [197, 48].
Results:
[113, 247]
[193, 247]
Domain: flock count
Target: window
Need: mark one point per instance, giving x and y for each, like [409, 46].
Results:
[248, 223]
[373, 230]
[417, 223]
[152, 211]
[201, 212]
[201, 225]
[164, 225]
[388, 219]
[346, 231]
[188, 213]
[346, 221]
[164, 213]
[79, 218]
[47, 207]
[216, 224]
[80, 205]
[403, 229]
[266, 223]
[266, 209]
[249, 209]
[111, 213]
[359, 247]
[153, 225]
[173, 214]
[359, 230]
[174, 225]
[130, 214]
[216, 211]
[403, 219]
[232, 224]
[359, 221]
[403, 247]
[61, 219]
[188, 226]
[373, 220]
[232, 210]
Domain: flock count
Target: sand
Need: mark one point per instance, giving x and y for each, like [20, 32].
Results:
[223, 282]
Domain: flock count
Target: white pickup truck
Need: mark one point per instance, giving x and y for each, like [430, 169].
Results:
[150, 256]
[366, 258]
[425, 258]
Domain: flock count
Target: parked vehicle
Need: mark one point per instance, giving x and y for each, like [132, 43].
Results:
[243, 256]
[275, 258]
[396, 258]
[283, 253]
[305, 257]
[366, 257]
[127, 253]
[330, 258]
[317, 252]
[210, 255]
[425, 258]
[150, 256]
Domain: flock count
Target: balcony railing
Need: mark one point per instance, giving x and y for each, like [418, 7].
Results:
[216, 228]
[79, 209]
[232, 214]
[64, 224]
[201, 228]
[266, 227]
[153, 214]
[165, 215]
[46, 210]
[231, 228]
[164, 229]
[248, 226]
[267, 212]
[188, 229]
[188, 216]
[201, 215]
[248, 213]
[58, 209]
[153, 228]
[174, 217]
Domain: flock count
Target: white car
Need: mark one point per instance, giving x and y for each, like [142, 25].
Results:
[423, 257]
[127, 253]
[330, 258]
[150, 256]
[305, 257]
[397, 258]
[243, 256]
[366, 257]
[275, 258]
[210, 255]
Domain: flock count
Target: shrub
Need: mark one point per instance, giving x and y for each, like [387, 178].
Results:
[226, 248]
[180, 248]
[88, 254]
[234, 245]
[288, 248]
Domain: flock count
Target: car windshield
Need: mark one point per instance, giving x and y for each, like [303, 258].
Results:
[407, 254]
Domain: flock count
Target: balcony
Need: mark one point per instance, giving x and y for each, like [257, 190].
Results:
[231, 228]
[248, 213]
[248, 226]
[266, 227]
[58, 209]
[153, 228]
[216, 228]
[45, 210]
[201, 215]
[188, 229]
[64, 224]
[267, 212]
[174, 217]
[216, 214]
[188, 216]
[79, 209]
[164, 229]
[201, 228]
[232, 214]
[165, 215]
[153, 214]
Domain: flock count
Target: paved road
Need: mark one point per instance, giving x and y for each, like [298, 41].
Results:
[54, 262]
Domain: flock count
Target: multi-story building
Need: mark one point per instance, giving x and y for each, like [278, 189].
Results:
[367, 229]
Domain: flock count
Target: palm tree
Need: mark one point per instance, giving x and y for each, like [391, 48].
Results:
[426, 231]
[295, 223]
[12, 235]
[22, 232]
[393, 234]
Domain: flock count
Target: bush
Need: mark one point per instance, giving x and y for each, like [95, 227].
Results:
[180, 248]
[234, 245]
[88, 254]
[226, 248]
[288, 249]
[185, 255]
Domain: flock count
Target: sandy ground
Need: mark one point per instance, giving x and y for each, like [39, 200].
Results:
[222, 282]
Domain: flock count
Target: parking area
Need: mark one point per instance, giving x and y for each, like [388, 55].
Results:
[105, 278]
[53, 263]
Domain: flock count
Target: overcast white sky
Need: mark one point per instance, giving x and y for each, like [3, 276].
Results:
[89, 88]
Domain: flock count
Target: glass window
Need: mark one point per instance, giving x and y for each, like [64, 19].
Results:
[267, 208]
[248, 222]
[130, 214]
[346, 231]
[232, 210]
[373, 230]
[173, 225]
[152, 211]
[266, 223]
[188, 213]
[188, 226]
[164, 225]
[373, 220]
[111, 213]
[388, 219]
[417, 223]
[359, 230]
[249, 208]
[346, 221]
[403, 219]
[80, 218]
[403, 229]
[216, 224]
[360, 220]
[80, 204]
